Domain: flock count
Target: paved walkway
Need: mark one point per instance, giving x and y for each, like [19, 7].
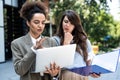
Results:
[7, 73]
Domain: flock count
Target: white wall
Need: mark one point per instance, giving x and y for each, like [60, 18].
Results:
[1, 13]
[2, 48]
[12, 2]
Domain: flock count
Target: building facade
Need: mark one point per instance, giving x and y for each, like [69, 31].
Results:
[12, 26]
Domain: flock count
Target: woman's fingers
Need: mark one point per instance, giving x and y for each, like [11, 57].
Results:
[95, 75]
[39, 44]
[68, 37]
[53, 70]
[41, 40]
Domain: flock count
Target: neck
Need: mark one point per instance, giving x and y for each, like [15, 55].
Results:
[34, 36]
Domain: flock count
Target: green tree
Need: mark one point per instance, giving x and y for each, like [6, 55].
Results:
[115, 33]
[94, 15]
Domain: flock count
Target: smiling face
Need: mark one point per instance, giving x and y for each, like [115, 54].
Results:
[36, 24]
[67, 26]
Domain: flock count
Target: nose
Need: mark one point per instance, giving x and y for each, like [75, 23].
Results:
[39, 25]
[66, 25]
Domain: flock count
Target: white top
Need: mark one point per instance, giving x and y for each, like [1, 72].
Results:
[34, 42]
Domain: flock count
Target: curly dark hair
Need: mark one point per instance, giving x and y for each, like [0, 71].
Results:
[29, 8]
[79, 34]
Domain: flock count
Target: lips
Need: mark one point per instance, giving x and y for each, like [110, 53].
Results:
[66, 29]
[39, 30]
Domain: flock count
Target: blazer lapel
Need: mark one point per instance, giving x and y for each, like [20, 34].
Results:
[28, 39]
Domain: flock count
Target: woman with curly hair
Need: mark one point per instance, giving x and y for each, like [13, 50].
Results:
[23, 48]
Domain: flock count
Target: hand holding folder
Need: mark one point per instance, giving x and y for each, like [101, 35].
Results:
[101, 64]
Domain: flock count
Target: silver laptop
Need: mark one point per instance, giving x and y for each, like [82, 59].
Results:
[61, 55]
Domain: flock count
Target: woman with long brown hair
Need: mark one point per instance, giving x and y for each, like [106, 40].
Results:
[71, 31]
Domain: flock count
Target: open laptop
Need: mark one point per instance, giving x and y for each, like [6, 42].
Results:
[63, 56]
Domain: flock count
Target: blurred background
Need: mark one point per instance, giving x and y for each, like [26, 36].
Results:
[100, 20]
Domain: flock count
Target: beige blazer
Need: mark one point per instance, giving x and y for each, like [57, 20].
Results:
[24, 58]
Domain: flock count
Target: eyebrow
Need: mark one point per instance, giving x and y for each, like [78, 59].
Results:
[38, 20]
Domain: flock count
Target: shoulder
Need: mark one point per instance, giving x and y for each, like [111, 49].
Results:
[57, 39]
[49, 42]
[89, 46]
[88, 42]
[20, 40]
[16, 42]
[17, 39]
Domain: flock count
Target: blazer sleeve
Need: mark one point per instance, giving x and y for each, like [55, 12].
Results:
[22, 62]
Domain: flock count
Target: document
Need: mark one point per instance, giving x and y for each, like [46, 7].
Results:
[103, 63]
[61, 55]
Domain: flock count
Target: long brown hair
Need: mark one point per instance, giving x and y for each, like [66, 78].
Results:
[80, 36]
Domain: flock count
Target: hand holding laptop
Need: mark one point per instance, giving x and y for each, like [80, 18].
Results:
[53, 70]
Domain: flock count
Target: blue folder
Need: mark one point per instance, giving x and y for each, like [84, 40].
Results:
[104, 63]
[85, 71]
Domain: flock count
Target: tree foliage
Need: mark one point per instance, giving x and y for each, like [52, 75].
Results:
[95, 17]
